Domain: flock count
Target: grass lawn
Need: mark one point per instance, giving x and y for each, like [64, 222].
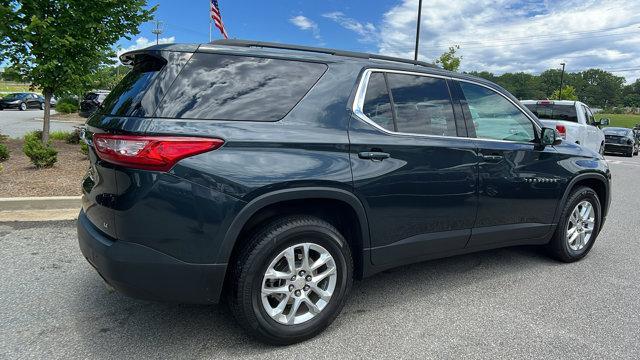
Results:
[8, 87]
[621, 120]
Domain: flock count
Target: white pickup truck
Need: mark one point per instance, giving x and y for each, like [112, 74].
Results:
[572, 119]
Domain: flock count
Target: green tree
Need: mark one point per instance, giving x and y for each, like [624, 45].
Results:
[568, 93]
[601, 88]
[631, 100]
[449, 60]
[57, 44]
[10, 73]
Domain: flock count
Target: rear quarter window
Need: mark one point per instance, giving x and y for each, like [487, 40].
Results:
[229, 87]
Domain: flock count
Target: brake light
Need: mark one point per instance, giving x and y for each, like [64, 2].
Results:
[562, 130]
[159, 153]
[545, 102]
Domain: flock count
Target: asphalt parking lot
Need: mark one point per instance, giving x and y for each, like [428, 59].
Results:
[16, 123]
[502, 304]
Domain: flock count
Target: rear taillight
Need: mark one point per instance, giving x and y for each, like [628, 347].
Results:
[159, 153]
[562, 130]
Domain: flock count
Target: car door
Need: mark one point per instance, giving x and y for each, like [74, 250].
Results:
[518, 186]
[32, 101]
[595, 135]
[415, 176]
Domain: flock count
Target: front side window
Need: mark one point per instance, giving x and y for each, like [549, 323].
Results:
[494, 117]
[377, 103]
[588, 115]
[422, 105]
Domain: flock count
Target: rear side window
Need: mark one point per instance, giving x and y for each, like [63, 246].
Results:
[227, 87]
[377, 103]
[422, 105]
[554, 112]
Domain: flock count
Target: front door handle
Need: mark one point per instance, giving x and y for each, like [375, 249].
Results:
[373, 155]
[492, 158]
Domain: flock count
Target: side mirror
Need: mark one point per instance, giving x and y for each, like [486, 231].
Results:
[549, 137]
[603, 122]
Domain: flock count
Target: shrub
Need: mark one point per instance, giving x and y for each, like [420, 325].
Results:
[84, 148]
[66, 108]
[59, 135]
[4, 152]
[74, 136]
[41, 155]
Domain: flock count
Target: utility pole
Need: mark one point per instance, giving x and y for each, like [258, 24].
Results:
[157, 31]
[415, 56]
[561, 80]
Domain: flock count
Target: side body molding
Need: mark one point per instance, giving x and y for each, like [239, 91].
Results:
[299, 193]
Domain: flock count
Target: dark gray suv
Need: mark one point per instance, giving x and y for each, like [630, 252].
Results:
[271, 176]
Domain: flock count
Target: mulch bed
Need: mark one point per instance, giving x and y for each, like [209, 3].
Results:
[20, 178]
[74, 117]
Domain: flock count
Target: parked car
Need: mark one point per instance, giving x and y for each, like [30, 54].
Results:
[276, 174]
[573, 120]
[621, 141]
[22, 101]
[91, 101]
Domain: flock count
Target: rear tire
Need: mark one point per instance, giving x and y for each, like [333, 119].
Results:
[41, 106]
[23, 107]
[263, 266]
[575, 235]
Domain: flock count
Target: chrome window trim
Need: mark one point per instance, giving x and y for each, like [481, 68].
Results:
[358, 104]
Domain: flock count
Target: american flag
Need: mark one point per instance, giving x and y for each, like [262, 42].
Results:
[217, 18]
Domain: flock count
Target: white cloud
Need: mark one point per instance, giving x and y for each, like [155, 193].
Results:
[507, 35]
[304, 23]
[367, 32]
[142, 42]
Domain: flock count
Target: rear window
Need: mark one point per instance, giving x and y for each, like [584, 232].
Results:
[554, 112]
[228, 87]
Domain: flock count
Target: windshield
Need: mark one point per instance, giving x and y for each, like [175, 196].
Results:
[554, 112]
[617, 131]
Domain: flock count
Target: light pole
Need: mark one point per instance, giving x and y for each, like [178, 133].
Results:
[561, 80]
[157, 31]
[415, 56]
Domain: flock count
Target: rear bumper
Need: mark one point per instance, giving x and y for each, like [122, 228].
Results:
[141, 272]
[618, 148]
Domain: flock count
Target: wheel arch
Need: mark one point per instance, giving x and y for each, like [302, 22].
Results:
[598, 182]
[262, 208]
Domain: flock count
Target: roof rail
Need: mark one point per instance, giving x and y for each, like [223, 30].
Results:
[353, 54]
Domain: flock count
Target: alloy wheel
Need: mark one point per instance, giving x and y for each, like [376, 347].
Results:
[580, 225]
[298, 283]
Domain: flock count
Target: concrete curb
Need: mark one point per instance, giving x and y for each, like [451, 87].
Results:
[40, 203]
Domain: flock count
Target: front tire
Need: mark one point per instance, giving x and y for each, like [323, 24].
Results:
[23, 107]
[578, 227]
[41, 106]
[290, 280]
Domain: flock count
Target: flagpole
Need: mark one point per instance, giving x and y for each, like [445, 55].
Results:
[209, 29]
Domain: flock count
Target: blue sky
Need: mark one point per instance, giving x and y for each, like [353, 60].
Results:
[494, 35]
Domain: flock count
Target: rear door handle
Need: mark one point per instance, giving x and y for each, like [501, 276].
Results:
[373, 155]
[492, 157]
